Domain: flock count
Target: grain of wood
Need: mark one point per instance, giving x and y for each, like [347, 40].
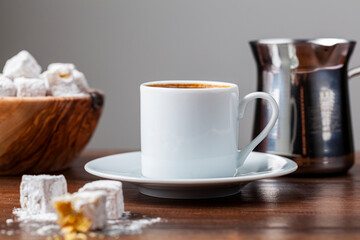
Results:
[44, 134]
[279, 208]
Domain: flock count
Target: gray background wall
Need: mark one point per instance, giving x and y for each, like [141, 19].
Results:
[119, 44]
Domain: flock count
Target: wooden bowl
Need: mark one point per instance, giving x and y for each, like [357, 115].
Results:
[45, 134]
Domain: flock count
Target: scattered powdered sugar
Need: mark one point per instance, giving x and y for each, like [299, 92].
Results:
[45, 224]
[123, 226]
[39, 229]
[48, 230]
[9, 221]
[24, 216]
[9, 232]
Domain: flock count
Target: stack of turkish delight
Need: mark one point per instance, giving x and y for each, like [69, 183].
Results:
[22, 77]
[88, 209]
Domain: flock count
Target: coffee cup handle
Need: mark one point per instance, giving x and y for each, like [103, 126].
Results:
[243, 153]
[353, 72]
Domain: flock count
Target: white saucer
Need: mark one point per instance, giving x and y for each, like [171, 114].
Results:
[126, 167]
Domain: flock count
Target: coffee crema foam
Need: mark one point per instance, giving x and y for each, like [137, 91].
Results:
[187, 85]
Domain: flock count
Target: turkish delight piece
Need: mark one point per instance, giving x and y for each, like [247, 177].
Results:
[55, 66]
[30, 87]
[36, 192]
[114, 196]
[22, 65]
[81, 211]
[7, 87]
[81, 81]
[64, 80]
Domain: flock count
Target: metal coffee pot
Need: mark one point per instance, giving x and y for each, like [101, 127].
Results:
[309, 81]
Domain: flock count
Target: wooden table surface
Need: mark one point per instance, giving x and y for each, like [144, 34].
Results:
[279, 208]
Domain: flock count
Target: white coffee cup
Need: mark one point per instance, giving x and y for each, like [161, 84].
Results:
[189, 129]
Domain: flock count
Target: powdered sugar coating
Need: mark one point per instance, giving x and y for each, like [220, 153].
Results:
[114, 196]
[25, 216]
[81, 81]
[55, 66]
[7, 87]
[90, 204]
[30, 87]
[36, 192]
[22, 65]
[64, 80]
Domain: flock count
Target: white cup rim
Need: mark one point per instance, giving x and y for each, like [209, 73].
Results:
[230, 85]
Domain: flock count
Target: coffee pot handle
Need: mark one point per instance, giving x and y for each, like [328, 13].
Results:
[243, 153]
[354, 72]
